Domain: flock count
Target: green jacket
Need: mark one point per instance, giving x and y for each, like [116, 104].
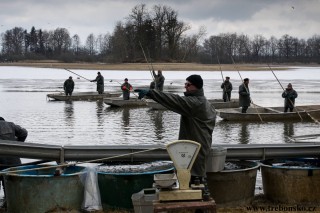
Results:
[244, 95]
[198, 118]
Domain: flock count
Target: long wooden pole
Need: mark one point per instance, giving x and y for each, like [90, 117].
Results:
[315, 120]
[144, 54]
[225, 88]
[254, 106]
[77, 74]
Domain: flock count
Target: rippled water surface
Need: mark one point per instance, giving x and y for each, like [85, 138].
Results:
[23, 100]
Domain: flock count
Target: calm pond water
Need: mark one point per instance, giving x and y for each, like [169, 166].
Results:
[23, 100]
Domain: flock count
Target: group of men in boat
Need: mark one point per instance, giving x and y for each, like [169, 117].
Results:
[157, 83]
[289, 95]
[126, 87]
[68, 85]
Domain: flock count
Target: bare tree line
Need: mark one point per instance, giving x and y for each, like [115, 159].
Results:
[163, 38]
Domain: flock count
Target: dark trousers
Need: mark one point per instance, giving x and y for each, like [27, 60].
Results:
[286, 109]
[244, 109]
[227, 96]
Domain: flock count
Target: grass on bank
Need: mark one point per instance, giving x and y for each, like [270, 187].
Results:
[145, 66]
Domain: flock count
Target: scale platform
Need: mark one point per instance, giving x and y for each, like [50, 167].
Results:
[183, 154]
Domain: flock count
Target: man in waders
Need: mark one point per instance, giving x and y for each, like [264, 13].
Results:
[197, 121]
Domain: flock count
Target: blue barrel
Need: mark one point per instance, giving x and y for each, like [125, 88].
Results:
[42, 191]
[116, 188]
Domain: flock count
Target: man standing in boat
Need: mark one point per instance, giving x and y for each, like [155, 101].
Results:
[159, 80]
[226, 87]
[126, 88]
[197, 121]
[289, 96]
[100, 83]
[68, 86]
[244, 95]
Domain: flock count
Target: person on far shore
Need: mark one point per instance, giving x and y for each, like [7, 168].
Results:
[100, 83]
[226, 87]
[289, 96]
[126, 88]
[159, 80]
[244, 95]
[68, 86]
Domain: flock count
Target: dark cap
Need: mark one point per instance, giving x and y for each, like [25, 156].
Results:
[196, 80]
[70, 77]
[126, 79]
[1, 119]
[246, 79]
[99, 73]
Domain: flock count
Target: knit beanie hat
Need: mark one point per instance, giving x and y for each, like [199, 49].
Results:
[196, 80]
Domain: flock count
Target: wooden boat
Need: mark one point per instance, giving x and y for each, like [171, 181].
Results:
[82, 96]
[258, 113]
[119, 102]
[217, 103]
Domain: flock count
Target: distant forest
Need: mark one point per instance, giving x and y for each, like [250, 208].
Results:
[158, 36]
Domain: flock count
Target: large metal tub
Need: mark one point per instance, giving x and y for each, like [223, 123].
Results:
[292, 181]
[41, 191]
[233, 187]
[116, 189]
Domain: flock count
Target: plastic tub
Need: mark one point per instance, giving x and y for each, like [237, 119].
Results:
[235, 185]
[116, 188]
[41, 191]
[291, 180]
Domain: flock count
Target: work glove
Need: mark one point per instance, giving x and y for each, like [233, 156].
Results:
[141, 92]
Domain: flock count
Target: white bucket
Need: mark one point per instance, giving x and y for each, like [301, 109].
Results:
[216, 159]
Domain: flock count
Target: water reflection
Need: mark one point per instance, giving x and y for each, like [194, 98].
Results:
[125, 118]
[244, 135]
[69, 113]
[156, 117]
[288, 131]
[100, 114]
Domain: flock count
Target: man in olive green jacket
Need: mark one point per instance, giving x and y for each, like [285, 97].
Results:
[198, 117]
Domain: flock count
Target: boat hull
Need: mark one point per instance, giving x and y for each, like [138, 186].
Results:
[82, 96]
[119, 102]
[275, 114]
[217, 103]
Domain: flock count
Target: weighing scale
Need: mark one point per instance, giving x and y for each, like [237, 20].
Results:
[183, 154]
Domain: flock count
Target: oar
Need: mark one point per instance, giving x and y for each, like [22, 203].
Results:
[245, 88]
[77, 74]
[296, 108]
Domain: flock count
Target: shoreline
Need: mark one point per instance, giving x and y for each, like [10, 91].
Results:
[156, 66]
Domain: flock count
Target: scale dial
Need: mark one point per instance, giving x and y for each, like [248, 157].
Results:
[183, 153]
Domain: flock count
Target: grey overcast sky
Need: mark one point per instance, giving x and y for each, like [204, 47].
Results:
[298, 18]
